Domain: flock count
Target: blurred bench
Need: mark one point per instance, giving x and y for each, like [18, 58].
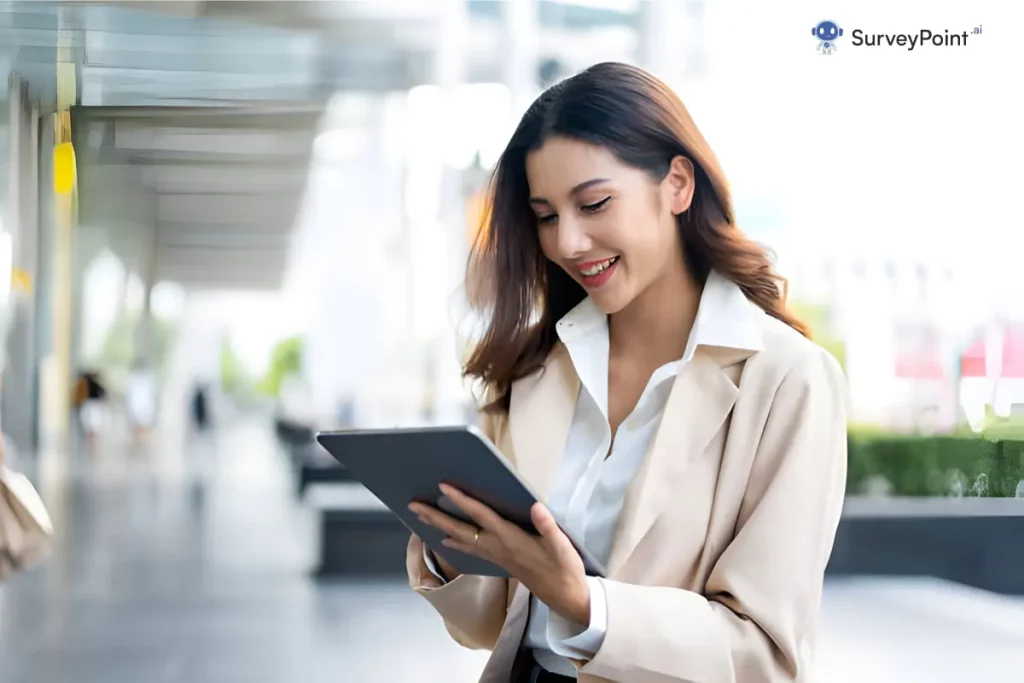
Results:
[291, 432]
[310, 462]
[978, 542]
[314, 465]
[358, 535]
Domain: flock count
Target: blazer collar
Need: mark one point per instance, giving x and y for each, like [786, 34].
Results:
[539, 417]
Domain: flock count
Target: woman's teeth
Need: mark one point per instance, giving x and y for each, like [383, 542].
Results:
[594, 270]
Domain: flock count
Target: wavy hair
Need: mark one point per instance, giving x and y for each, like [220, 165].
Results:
[645, 125]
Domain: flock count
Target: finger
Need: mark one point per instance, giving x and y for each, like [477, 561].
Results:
[543, 520]
[547, 527]
[485, 517]
[442, 521]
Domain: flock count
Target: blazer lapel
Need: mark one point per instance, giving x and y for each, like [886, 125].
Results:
[700, 401]
[540, 415]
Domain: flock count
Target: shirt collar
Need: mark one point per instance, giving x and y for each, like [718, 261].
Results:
[725, 318]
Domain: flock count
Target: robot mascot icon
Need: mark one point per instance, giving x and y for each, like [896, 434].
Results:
[827, 32]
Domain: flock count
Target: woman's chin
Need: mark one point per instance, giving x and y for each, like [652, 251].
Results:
[610, 300]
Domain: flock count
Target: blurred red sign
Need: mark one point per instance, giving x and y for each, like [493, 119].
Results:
[1013, 352]
[972, 362]
[919, 353]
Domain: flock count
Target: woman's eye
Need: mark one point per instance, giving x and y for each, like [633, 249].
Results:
[541, 220]
[591, 208]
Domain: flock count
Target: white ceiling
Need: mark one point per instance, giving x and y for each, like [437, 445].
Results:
[190, 53]
[209, 194]
[197, 119]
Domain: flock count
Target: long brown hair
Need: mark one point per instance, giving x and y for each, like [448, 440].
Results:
[645, 125]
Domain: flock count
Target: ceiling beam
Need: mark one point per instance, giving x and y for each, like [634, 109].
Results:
[219, 258]
[225, 209]
[215, 179]
[233, 239]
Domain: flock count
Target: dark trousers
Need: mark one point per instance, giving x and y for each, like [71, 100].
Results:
[525, 669]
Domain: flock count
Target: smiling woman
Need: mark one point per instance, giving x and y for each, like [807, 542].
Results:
[646, 378]
[604, 165]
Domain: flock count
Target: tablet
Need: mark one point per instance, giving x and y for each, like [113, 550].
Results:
[400, 466]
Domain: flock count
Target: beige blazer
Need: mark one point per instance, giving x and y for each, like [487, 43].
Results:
[716, 569]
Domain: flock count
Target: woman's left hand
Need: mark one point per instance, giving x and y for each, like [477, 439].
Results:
[547, 564]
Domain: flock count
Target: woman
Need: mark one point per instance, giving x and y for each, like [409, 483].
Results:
[648, 381]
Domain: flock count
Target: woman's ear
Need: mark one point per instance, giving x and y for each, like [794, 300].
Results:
[679, 184]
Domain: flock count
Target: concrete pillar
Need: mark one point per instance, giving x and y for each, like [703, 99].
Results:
[44, 280]
[145, 333]
[22, 224]
[436, 240]
[57, 372]
[673, 39]
[697, 64]
[86, 251]
[521, 48]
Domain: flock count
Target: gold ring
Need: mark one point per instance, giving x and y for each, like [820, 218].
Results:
[476, 537]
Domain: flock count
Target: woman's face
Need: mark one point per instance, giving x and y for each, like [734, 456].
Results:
[608, 225]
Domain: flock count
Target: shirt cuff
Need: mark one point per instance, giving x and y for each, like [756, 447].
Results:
[428, 559]
[571, 640]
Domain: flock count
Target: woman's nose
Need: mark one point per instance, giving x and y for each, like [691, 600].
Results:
[573, 240]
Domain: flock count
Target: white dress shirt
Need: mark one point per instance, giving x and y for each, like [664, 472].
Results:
[591, 483]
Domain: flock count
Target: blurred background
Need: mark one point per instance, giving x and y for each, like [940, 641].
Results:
[225, 226]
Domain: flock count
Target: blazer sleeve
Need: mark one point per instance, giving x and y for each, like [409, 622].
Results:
[755, 621]
[473, 607]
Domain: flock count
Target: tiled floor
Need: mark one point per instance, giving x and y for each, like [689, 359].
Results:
[155, 580]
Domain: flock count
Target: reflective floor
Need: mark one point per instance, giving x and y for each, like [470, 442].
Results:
[199, 574]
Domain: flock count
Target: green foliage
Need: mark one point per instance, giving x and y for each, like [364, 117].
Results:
[996, 427]
[935, 465]
[118, 350]
[285, 361]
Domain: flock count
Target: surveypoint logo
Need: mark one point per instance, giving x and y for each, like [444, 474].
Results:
[828, 32]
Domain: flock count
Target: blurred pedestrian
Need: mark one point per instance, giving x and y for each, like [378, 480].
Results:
[200, 408]
[141, 395]
[91, 408]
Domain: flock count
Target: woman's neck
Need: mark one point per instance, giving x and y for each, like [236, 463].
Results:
[657, 324]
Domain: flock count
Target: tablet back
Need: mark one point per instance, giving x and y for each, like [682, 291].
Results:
[400, 466]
